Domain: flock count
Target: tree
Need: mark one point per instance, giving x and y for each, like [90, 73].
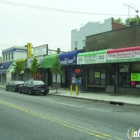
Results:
[136, 20]
[118, 20]
[18, 67]
[34, 66]
[128, 20]
[56, 69]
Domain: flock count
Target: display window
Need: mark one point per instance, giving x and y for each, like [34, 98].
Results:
[97, 76]
[135, 74]
[124, 75]
[91, 76]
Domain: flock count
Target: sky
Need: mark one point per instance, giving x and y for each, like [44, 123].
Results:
[50, 21]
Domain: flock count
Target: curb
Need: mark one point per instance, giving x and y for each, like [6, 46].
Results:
[98, 100]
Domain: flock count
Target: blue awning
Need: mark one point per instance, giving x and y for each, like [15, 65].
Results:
[2, 71]
[69, 58]
[6, 64]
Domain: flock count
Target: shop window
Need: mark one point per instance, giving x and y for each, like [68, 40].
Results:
[97, 76]
[91, 76]
[103, 76]
[124, 75]
[135, 74]
[111, 76]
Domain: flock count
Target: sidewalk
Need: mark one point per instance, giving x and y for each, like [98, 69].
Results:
[116, 99]
[99, 97]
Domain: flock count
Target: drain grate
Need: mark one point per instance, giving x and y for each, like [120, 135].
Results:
[116, 103]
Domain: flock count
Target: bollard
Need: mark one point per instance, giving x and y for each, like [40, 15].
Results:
[77, 92]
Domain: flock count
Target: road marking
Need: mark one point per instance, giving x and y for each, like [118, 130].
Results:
[63, 123]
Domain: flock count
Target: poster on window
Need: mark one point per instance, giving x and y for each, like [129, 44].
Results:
[102, 75]
[97, 74]
[135, 76]
[58, 78]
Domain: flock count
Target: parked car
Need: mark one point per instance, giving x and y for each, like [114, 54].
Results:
[14, 85]
[34, 86]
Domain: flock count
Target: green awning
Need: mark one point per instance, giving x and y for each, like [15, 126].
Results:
[92, 57]
[49, 60]
[11, 68]
[21, 60]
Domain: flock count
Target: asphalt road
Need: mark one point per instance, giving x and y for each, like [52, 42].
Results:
[36, 117]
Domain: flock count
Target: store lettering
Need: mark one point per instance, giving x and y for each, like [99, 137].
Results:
[124, 55]
[90, 58]
[131, 54]
[101, 57]
[66, 61]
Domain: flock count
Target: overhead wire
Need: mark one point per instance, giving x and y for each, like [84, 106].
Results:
[54, 9]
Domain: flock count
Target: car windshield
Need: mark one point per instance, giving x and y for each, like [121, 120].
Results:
[38, 82]
[19, 82]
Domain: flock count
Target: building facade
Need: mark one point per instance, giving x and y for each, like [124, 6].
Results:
[78, 36]
[111, 61]
[9, 55]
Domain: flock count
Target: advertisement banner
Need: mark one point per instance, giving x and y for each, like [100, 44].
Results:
[135, 77]
[92, 57]
[41, 50]
[29, 50]
[129, 54]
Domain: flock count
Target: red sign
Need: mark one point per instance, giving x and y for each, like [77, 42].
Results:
[77, 70]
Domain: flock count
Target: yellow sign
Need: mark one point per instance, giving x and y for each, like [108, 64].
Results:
[29, 50]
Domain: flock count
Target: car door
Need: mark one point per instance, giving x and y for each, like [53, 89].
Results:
[26, 86]
[10, 86]
[23, 87]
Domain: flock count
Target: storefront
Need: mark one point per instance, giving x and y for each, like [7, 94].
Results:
[97, 74]
[69, 62]
[128, 68]
[47, 64]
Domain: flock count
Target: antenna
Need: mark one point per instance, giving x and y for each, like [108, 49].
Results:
[131, 8]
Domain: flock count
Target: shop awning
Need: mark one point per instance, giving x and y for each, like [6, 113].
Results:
[92, 57]
[129, 54]
[69, 58]
[21, 60]
[49, 60]
[11, 68]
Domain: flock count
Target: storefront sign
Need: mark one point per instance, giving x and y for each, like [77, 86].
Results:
[69, 58]
[29, 61]
[41, 50]
[92, 57]
[29, 50]
[68, 61]
[124, 54]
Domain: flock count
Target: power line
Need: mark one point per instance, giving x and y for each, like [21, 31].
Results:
[54, 9]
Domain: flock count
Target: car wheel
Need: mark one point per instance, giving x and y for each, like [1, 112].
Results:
[13, 89]
[20, 90]
[6, 89]
[29, 92]
[45, 93]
